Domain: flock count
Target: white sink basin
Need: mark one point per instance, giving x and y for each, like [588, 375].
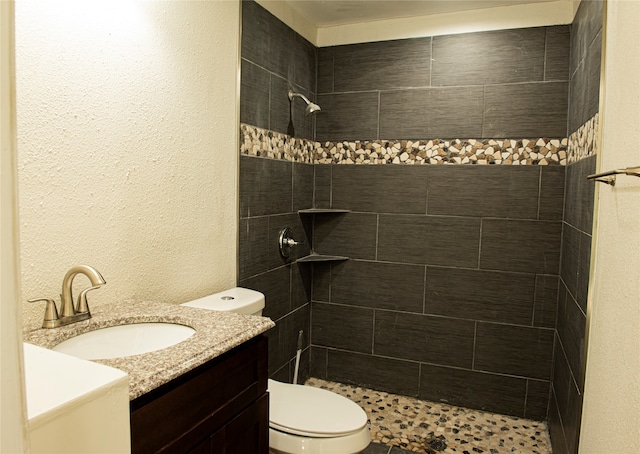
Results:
[125, 340]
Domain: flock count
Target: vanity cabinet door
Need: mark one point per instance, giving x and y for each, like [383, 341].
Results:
[246, 433]
[183, 415]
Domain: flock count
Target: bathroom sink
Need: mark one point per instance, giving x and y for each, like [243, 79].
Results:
[125, 340]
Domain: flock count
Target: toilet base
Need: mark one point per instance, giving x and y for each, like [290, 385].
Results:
[284, 443]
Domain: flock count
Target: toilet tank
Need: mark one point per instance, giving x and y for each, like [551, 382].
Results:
[238, 299]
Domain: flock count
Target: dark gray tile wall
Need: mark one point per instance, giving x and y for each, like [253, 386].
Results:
[429, 259]
[268, 204]
[454, 282]
[456, 86]
[586, 45]
[275, 59]
[567, 380]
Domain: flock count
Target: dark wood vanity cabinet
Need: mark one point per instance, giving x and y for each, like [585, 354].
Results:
[219, 407]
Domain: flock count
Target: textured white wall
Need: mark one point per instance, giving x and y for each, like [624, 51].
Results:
[127, 146]
[611, 417]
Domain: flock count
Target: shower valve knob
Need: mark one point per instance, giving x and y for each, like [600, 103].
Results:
[286, 242]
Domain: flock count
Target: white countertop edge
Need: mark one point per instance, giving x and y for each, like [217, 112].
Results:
[56, 382]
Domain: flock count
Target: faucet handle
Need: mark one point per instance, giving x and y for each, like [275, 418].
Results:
[50, 312]
[82, 299]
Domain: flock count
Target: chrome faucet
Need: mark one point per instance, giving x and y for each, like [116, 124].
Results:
[68, 312]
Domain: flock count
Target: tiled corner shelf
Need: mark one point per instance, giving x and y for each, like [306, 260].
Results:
[322, 211]
[317, 258]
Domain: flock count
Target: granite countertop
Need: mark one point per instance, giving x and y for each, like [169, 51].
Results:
[216, 333]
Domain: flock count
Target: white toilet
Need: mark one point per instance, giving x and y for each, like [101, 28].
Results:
[302, 419]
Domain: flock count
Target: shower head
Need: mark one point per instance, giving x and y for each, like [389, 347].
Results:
[311, 106]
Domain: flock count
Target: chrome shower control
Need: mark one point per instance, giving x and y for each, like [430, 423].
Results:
[286, 242]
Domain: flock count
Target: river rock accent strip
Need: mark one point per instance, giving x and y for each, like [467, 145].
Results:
[526, 151]
[584, 142]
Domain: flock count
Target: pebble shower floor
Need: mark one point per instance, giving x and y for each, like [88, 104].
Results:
[432, 428]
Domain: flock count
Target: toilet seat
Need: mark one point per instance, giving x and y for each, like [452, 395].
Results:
[312, 412]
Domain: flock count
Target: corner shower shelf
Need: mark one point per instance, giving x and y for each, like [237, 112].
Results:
[315, 258]
[322, 211]
[319, 258]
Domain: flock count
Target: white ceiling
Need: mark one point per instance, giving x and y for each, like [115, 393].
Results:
[326, 13]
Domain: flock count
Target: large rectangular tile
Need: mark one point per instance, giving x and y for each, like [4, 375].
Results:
[424, 338]
[305, 62]
[265, 186]
[481, 390]
[254, 99]
[584, 268]
[429, 240]
[514, 245]
[380, 188]
[350, 234]
[431, 113]
[514, 350]
[557, 52]
[551, 206]
[480, 295]
[280, 109]
[347, 116]
[556, 432]
[303, 182]
[345, 327]
[538, 393]
[448, 119]
[378, 285]
[546, 301]
[322, 185]
[301, 281]
[494, 57]
[325, 70]
[580, 194]
[318, 366]
[484, 191]
[253, 255]
[586, 25]
[275, 286]
[570, 257]
[266, 40]
[403, 114]
[321, 284]
[385, 374]
[290, 326]
[571, 332]
[540, 110]
[382, 64]
[578, 93]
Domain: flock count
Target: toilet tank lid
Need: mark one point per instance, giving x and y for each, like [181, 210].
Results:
[238, 299]
[305, 410]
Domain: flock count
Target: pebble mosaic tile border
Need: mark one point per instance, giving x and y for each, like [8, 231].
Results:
[584, 142]
[542, 151]
[432, 428]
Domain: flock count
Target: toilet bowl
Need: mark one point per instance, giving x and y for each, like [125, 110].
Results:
[302, 419]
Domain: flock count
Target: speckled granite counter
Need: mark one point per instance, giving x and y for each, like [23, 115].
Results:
[216, 333]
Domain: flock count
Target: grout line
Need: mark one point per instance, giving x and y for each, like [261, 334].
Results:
[480, 243]
[473, 358]
[539, 193]
[377, 235]
[424, 292]
[546, 50]
[378, 131]
[373, 333]
[526, 394]
[535, 294]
